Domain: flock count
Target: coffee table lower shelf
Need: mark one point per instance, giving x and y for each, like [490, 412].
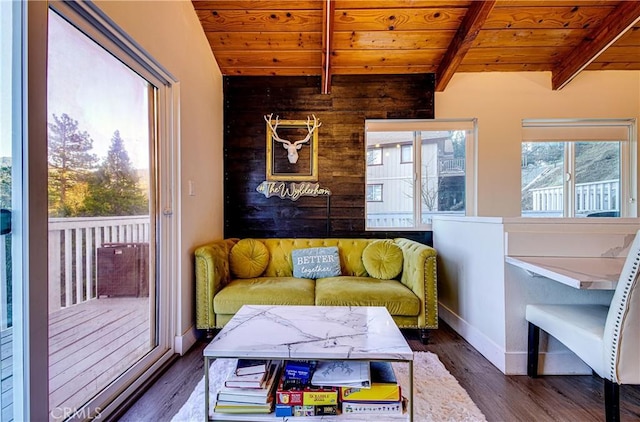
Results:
[245, 417]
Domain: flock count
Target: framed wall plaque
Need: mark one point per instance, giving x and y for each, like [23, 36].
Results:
[292, 149]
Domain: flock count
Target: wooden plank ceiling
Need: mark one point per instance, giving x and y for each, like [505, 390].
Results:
[346, 37]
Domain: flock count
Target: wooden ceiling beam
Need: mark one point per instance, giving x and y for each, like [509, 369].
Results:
[622, 18]
[469, 29]
[328, 9]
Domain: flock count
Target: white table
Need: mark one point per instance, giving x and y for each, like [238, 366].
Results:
[581, 273]
[310, 332]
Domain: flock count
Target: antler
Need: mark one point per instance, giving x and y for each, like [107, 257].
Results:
[292, 153]
[274, 129]
[316, 125]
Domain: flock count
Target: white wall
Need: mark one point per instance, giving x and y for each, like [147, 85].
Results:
[501, 100]
[483, 298]
[171, 33]
[471, 292]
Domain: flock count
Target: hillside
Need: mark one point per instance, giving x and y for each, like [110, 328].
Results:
[594, 162]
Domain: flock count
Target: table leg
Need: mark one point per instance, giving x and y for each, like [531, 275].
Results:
[206, 389]
[411, 390]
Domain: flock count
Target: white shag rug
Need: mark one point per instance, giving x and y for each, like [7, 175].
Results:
[437, 394]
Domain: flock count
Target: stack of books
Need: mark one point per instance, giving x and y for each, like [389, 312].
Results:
[296, 396]
[310, 388]
[382, 397]
[250, 388]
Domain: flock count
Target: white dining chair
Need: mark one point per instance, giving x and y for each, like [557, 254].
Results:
[607, 338]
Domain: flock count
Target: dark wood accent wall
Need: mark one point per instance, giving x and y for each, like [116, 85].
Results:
[341, 155]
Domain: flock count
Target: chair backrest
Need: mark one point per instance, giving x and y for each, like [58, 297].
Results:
[622, 329]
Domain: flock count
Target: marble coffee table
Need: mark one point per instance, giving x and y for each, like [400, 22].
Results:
[310, 332]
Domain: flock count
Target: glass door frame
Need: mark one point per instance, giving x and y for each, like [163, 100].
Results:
[30, 218]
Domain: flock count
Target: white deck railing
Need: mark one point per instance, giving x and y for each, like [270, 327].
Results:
[590, 197]
[452, 165]
[4, 283]
[402, 219]
[73, 243]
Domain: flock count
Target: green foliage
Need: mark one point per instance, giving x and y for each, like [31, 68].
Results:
[597, 161]
[542, 153]
[76, 187]
[5, 186]
[70, 162]
[113, 189]
[5, 202]
[458, 139]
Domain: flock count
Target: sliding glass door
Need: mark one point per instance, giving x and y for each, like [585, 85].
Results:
[10, 196]
[107, 301]
[84, 302]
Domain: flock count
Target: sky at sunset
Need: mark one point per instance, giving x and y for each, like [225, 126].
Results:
[97, 90]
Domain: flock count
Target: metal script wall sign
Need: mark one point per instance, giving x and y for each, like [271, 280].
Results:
[291, 190]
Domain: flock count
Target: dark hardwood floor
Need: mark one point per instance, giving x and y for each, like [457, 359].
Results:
[500, 397]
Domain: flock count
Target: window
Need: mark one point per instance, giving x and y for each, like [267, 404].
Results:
[421, 185]
[406, 154]
[374, 193]
[374, 156]
[578, 168]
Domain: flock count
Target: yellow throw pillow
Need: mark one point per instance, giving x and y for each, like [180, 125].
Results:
[383, 259]
[248, 258]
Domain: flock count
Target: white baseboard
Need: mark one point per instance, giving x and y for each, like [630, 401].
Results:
[184, 342]
[483, 344]
[549, 363]
[513, 363]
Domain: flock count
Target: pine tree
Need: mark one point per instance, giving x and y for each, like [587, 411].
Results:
[5, 183]
[70, 161]
[113, 189]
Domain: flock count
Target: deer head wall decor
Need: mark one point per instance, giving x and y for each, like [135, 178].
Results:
[292, 147]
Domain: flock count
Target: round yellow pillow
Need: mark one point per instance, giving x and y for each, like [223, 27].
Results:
[248, 258]
[383, 259]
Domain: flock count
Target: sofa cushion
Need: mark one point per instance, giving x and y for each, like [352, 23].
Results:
[264, 291]
[248, 258]
[383, 259]
[350, 251]
[316, 262]
[365, 291]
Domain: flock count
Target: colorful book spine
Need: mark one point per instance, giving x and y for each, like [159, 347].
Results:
[373, 408]
[315, 398]
[298, 370]
[286, 411]
[251, 366]
[306, 396]
[377, 392]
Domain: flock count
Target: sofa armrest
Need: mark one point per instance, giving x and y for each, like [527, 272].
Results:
[419, 274]
[212, 273]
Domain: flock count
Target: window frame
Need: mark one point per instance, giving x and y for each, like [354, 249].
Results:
[375, 185]
[377, 149]
[403, 147]
[470, 126]
[571, 131]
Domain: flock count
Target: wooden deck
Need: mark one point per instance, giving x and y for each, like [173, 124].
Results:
[90, 345]
[6, 378]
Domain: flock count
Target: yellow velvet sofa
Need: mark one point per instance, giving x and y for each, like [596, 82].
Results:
[410, 297]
